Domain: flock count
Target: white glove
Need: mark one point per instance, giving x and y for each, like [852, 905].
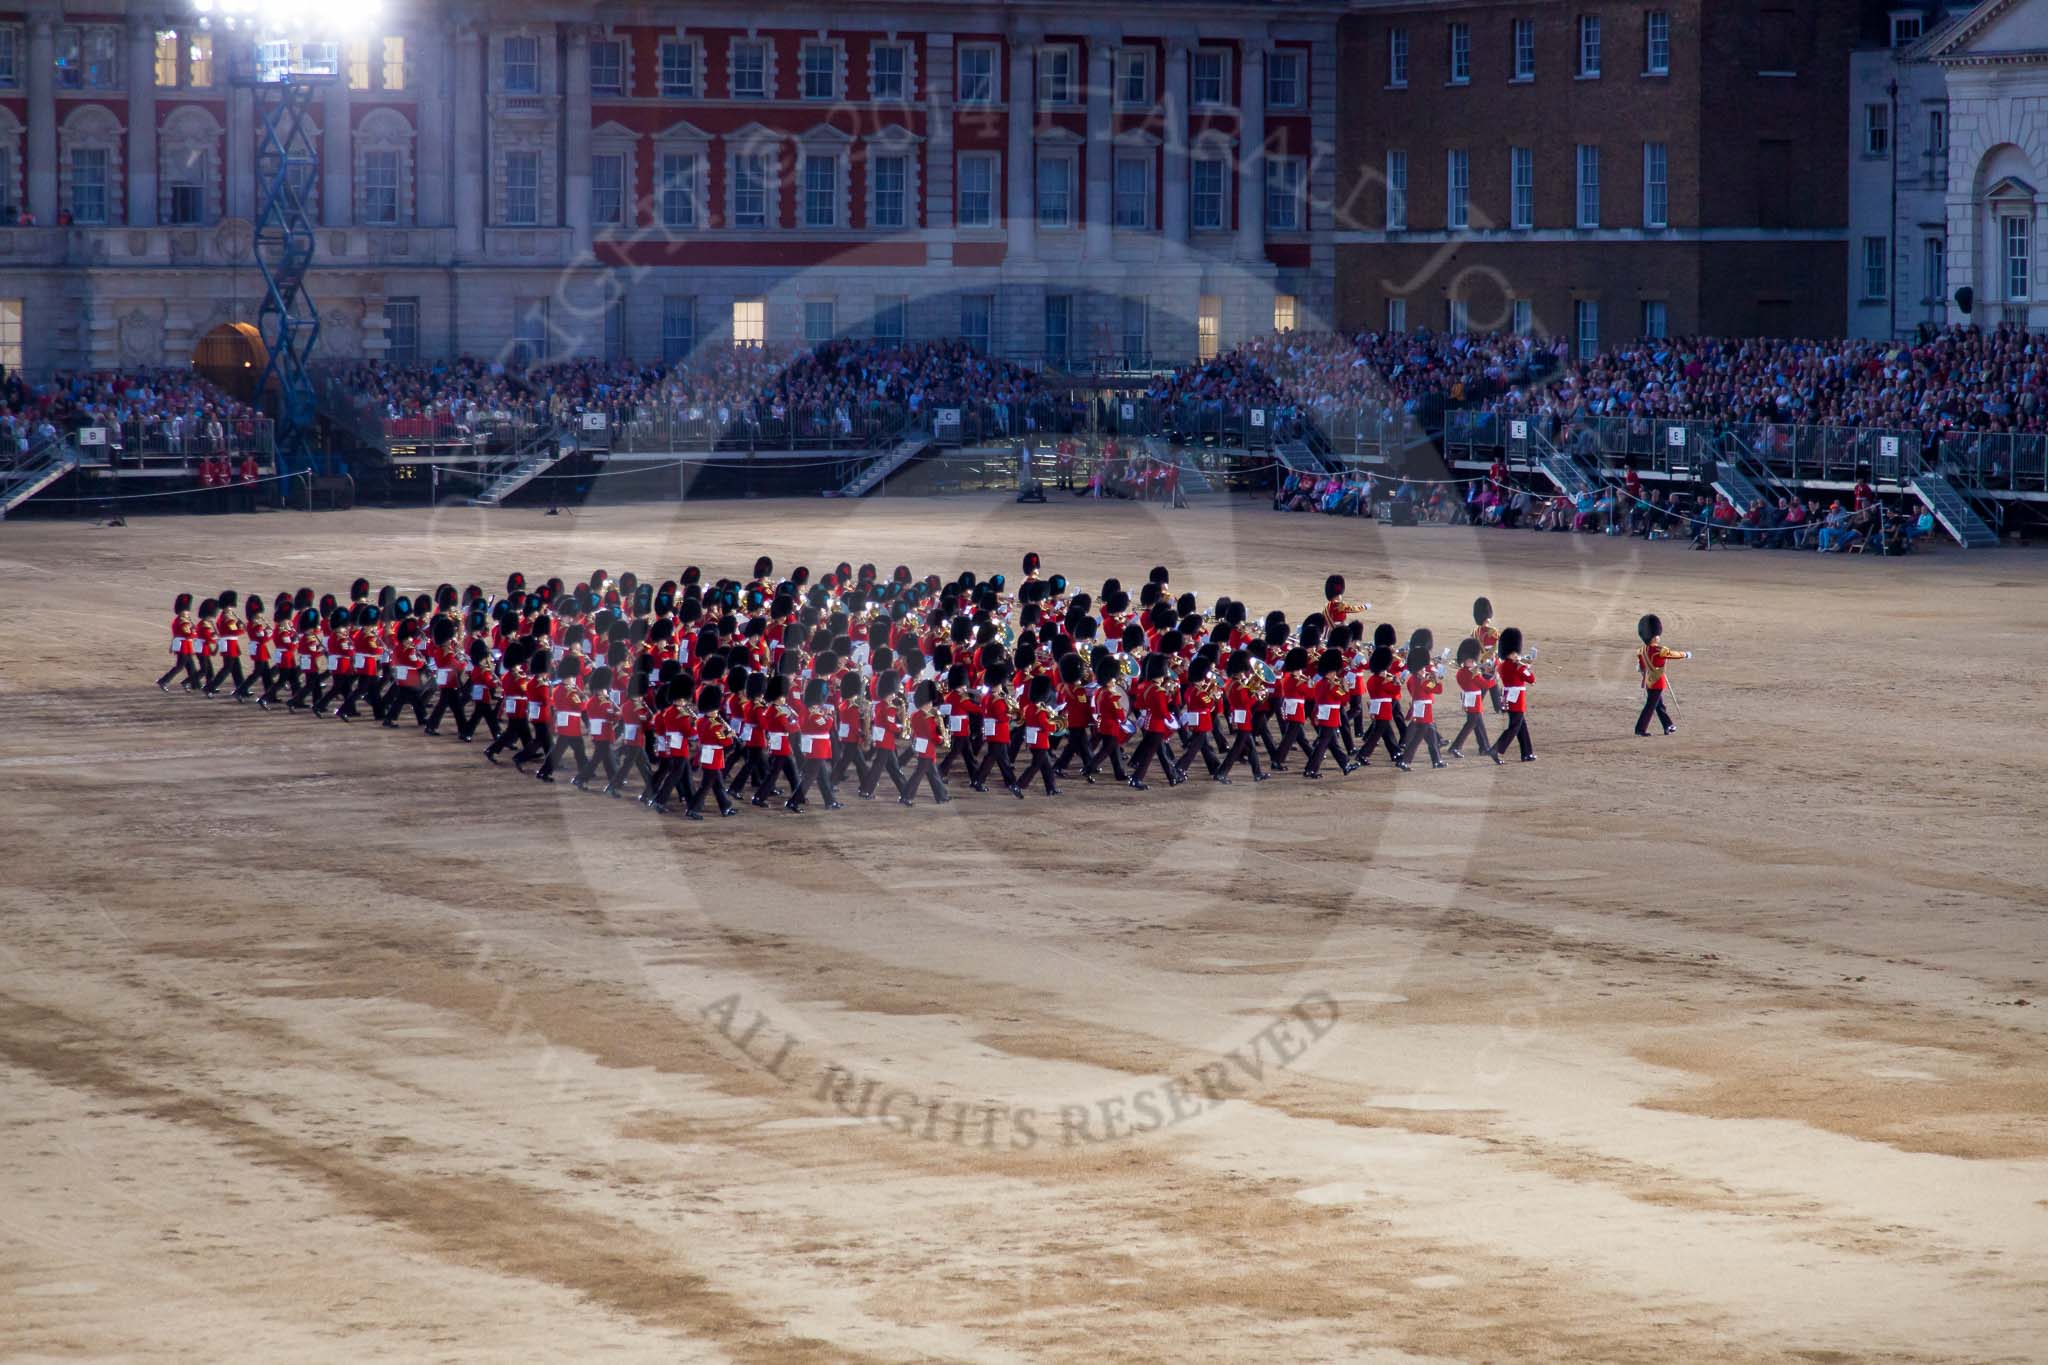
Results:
[1686, 655]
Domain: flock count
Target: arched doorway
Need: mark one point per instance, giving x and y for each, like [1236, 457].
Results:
[232, 357]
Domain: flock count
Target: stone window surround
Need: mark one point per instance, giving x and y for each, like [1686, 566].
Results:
[910, 68]
[825, 142]
[385, 130]
[755, 139]
[611, 139]
[189, 131]
[90, 126]
[894, 140]
[685, 138]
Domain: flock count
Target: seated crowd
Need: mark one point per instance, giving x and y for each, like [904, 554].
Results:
[168, 411]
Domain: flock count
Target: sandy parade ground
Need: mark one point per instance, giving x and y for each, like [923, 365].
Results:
[325, 1042]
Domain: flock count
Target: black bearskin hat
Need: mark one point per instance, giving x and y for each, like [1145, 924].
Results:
[1276, 633]
[763, 567]
[302, 599]
[358, 590]
[901, 574]
[1056, 585]
[1155, 667]
[1423, 639]
[444, 630]
[399, 606]
[408, 630]
[327, 604]
[1031, 562]
[208, 609]
[1072, 670]
[1296, 660]
[386, 595]
[1330, 661]
[1482, 611]
[1239, 664]
[1333, 587]
[1511, 641]
[1384, 635]
[514, 582]
[1468, 650]
[229, 599]
[445, 596]
[1649, 628]
[1105, 669]
[309, 619]
[182, 603]
[1159, 574]
[1418, 658]
[601, 678]
[1382, 659]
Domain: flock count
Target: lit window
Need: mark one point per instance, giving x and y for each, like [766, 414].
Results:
[1284, 309]
[10, 334]
[199, 61]
[356, 62]
[166, 59]
[394, 63]
[749, 322]
[1209, 327]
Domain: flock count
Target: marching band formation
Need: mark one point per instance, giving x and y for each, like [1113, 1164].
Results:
[696, 692]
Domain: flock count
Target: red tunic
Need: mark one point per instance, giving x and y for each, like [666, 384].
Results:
[1039, 723]
[926, 735]
[1381, 692]
[1516, 678]
[1239, 705]
[1472, 685]
[1422, 694]
[1328, 696]
[816, 730]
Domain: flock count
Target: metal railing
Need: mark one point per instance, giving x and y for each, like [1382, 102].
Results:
[1791, 453]
[147, 441]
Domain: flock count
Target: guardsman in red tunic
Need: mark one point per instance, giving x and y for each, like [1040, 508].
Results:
[998, 714]
[1516, 678]
[886, 722]
[204, 633]
[962, 710]
[600, 725]
[1650, 662]
[819, 720]
[1425, 685]
[714, 739]
[1472, 686]
[1241, 697]
[1113, 721]
[1488, 639]
[1381, 694]
[183, 631]
[927, 736]
[565, 716]
[745, 715]
[408, 676]
[635, 737]
[780, 723]
[256, 643]
[1200, 697]
[1154, 705]
[1079, 712]
[477, 684]
[1291, 693]
[675, 736]
[1326, 714]
[535, 687]
[1041, 722]
[1337, 611]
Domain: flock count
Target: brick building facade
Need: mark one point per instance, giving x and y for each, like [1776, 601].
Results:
[1057, 181]
[1594, 168]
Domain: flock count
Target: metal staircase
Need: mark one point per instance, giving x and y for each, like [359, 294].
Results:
[1296, 455]
[520, 469]
[1736, 486]
[37, 470]
[1953, 511]
[1571, 474]
[869, 476]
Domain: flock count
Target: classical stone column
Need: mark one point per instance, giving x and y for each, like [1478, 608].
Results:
[576, 142]
[1020, 165]
[141, 153]
[337, 157]
[469, 141]
[42, 118]
[1251, 157]
[1101, 148]
[429, 52]
[938, 149]
[1174, 162]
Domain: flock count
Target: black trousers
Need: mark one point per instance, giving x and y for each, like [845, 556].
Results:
[1243, 749]
[516, 735]
[1264, 734]
[636, 762]
[927, 771]
[1422, 732]
[260, 676]
[994, 755]
[1474, 726]
[1040, 766]
[1198, 743]
[1113, 752]
[564, 744]
[1329, 739]
[538, 742]
[1518, 730]
[818, 770]
[181, 663]
[712, 785]
[449, 699]
[1381, 731]
[230, 667]
[1152, 745]
[777, 766]
[962, 748]
[1653, 705]
[601, 752]
[1291, 737]
[672, 775]
[282, 676]
[401, 696]
[883, 763]
[1077, 746]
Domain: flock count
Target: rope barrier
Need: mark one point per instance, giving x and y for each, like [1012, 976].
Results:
[184, 492]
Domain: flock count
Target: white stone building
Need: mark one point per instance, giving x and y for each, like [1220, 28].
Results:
[1898, 177]
[1058, 181]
